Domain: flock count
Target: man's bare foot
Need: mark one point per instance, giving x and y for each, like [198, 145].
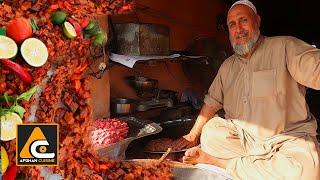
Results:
[196, 155]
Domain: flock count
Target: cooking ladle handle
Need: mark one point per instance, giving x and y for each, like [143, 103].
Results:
[164, 155]
[159, 90]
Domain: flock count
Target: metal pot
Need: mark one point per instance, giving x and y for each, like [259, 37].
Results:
[123, 106]
[142, 84]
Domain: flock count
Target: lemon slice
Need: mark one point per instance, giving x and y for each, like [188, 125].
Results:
[9, 124]
[34, 52]
[8, 48]
[4, 160]
[69, 30]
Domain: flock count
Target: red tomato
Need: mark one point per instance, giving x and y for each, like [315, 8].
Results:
[19, 29]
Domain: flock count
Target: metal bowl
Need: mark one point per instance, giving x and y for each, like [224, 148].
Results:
[138, 128]
[182, 171]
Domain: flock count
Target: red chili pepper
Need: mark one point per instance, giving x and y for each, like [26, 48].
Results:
[11, 173]
[70, 20]
[76, 26]
[19, 70]
[84, 22]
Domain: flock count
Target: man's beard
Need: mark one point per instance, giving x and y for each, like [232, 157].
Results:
[245, 48]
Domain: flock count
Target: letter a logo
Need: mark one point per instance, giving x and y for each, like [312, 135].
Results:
[36, 134]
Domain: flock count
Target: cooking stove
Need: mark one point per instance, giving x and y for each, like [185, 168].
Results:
[154, 103]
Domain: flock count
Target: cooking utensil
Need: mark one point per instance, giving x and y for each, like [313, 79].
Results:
[196, 173]
[142, 84]
[161, 152]
[154, 103]
[146, 162]
[171, 129]
[164, 155]
[177, 112]
[145, 39]
[183, 171]
[176, 128]
[123, 106]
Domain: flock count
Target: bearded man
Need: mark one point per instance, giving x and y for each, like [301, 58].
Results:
[268, 131]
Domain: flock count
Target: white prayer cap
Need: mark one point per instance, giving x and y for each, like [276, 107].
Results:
[246, 3]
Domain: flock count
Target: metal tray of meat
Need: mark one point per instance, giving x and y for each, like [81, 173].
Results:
[138, 128]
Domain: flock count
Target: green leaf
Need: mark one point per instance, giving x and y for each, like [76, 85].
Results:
[2, 30]
[19, 110]
[28, 94]
[3, 111]
[6, 98]
[34, 25]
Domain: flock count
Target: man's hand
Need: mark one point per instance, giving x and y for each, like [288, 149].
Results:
[192, 139]
[186, 141]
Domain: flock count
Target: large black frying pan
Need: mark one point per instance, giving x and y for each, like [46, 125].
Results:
[171, 129]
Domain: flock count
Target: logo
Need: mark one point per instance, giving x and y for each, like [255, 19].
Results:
[37, 145]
